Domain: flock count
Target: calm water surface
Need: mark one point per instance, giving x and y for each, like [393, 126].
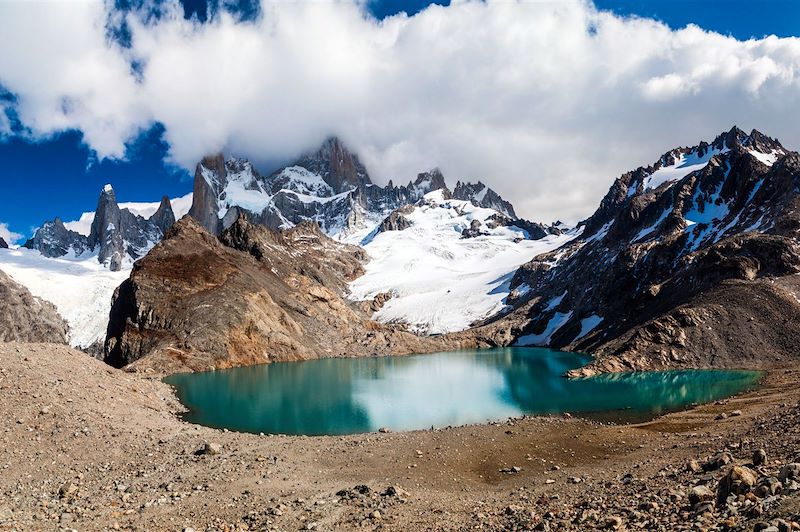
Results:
[350, 395]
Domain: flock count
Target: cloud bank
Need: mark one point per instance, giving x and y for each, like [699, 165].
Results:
[545, 101]
[8, 235]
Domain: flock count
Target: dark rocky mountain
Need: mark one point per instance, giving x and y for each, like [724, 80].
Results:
[52, 239]
[483, 196]
[25, 318]
[330, 187]
[117, 235]
[163, 218]
[691, 261]
[3, 243]
[339, 168]
[253, 295]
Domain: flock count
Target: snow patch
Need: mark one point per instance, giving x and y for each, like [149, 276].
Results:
[543, 338]
[588, 325]
[766, 158]
[685, 165]
[79, 287]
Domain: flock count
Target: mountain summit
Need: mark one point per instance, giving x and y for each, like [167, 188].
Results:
[117, 235]
[329, 186]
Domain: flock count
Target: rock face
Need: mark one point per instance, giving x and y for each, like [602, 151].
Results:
[118, 236]
[196, 302]
[163, 218]
[688, 262]
[329, 187]
[52, 239]
[483, 196]
[396, 221]
[3, 243]
[25, 318]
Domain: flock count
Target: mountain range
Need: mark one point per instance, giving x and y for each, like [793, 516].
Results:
[689, 261]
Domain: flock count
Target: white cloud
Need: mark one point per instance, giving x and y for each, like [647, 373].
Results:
[8, 235]
[545, 101]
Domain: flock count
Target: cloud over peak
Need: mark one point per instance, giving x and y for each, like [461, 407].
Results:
[547, 101]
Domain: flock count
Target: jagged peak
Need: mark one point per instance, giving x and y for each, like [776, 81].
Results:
[755, 139]
[431, 180]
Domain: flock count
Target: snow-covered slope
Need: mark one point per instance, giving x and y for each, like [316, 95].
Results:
[79, 287]
[439, 281]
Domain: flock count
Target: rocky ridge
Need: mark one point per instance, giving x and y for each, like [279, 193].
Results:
[330, 187]
[690, 262]
[118, 236]
[196, 302]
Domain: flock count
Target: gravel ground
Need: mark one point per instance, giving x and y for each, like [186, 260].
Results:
[88, 447]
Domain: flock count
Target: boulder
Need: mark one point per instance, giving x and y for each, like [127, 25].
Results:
[738, 481]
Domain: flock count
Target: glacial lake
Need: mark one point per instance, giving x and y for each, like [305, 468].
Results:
[352, 395]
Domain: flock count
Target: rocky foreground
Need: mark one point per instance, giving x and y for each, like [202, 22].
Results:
[89, 447]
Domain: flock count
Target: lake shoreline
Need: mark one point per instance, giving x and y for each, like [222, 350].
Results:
[81, 437]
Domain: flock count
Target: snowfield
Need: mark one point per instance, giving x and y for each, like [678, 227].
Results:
[441, 282]
[79, 287]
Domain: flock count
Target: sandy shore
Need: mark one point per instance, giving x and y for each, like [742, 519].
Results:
[88, 447]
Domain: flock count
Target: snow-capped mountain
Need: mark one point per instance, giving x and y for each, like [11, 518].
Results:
[117, 235]
[663, 237]
[77, 265]
[476, 235]
[330, 187]
[442, 258]
[441, 264]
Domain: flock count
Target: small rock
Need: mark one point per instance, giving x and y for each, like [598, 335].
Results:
[768, 486]
[699, 494]
[395, 491]
[759, 457]
[693, 466]
[612, 522]
[384, 430]
[511, 470]
[718, 461]
[67, 490]
[375, 515]
[211, 449]
[736, 413]
[789, 472]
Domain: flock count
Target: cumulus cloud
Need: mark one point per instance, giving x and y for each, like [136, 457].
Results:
[545, 101]
[8, 235]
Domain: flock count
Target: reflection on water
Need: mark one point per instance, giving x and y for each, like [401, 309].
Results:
[350, 395]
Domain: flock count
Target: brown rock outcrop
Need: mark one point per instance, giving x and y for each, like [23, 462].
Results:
[25, 318]
[253, 296]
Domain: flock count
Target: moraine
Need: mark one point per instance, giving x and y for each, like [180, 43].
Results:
[354, 395]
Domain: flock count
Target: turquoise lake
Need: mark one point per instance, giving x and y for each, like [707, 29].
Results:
[352, 395]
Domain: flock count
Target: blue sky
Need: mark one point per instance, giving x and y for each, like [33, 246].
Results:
[60, 176]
